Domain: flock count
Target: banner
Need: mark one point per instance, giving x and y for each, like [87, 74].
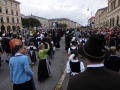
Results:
[54, 24]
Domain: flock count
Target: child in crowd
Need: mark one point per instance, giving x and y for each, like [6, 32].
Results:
[73, 47]
[74, 66]
[32, 54]
[25, 50]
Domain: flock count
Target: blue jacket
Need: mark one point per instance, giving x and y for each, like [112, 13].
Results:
[20, 71]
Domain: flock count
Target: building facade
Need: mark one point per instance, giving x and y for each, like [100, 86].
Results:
[68, 22]
[100, 14]
[44, 22]
[109, 16]
[10, 17]
[113, 12]
[91, 22]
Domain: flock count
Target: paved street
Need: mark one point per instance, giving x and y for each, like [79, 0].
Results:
[57, 68]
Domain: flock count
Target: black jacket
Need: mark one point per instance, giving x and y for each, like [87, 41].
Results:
[95, 78]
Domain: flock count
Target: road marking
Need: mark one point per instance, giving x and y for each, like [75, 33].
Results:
[58, 86]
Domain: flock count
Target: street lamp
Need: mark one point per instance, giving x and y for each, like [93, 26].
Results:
[91, 9]
[91, 15]
[0, 21]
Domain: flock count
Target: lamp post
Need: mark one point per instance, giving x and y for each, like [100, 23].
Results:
[91, 9]
[0, 22]
[29, 19]
[91, 15]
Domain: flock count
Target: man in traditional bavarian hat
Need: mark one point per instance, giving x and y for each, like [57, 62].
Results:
[5, 45]
[96, 76]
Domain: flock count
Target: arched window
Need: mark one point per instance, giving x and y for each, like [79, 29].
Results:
[18, 27]
[0, 9]
[117, 22]
[113, 21]
[110, 22]
[16, 5]
[13, 27]
[8, 27]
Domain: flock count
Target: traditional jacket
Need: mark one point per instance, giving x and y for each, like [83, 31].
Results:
[42, 54]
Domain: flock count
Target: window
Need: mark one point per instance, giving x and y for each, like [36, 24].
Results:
[17, 20]
[6, 11]
[15, 5]
[1, 19]
[12, 12]
[114, 4]
[17, 13]
[0, 9]
[5, 2]
[10, 3]
[119, 2]
[13, 20]
[8, 19]
[111, 6]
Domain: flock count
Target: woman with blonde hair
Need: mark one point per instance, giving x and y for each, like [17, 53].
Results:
[43, 67]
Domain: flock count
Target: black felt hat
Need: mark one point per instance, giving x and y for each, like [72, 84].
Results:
[94, 48]
[74, 42]
[46, 34]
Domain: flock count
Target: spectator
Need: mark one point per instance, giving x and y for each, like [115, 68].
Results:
[96, 77]
[114, 62]
[20, 72]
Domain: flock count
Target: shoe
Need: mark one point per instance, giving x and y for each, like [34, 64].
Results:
[50, 63]
[32, 64]
[7, 61]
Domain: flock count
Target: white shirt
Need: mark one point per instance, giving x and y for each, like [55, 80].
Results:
[31, 46]
[95, 65]
[31, 52]
[41, 36]
[68, 69]
[0, 38]
[74, 47]
[52, 42]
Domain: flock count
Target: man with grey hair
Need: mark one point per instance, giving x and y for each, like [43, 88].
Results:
[113, 63]
[77, 34]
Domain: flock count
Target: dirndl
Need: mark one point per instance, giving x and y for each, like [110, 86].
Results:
[28, 85]
[43, 70]
[33, 56]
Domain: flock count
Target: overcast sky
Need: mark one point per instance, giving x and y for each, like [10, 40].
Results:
[75, 10]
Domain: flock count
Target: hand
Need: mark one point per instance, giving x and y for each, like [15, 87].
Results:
[46, 43]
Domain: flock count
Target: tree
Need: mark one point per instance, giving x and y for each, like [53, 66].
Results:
[30, 22]
[62, 25]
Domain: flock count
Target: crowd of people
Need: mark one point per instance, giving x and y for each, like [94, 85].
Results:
[84, 43]
[103, 64]
[37, 44]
